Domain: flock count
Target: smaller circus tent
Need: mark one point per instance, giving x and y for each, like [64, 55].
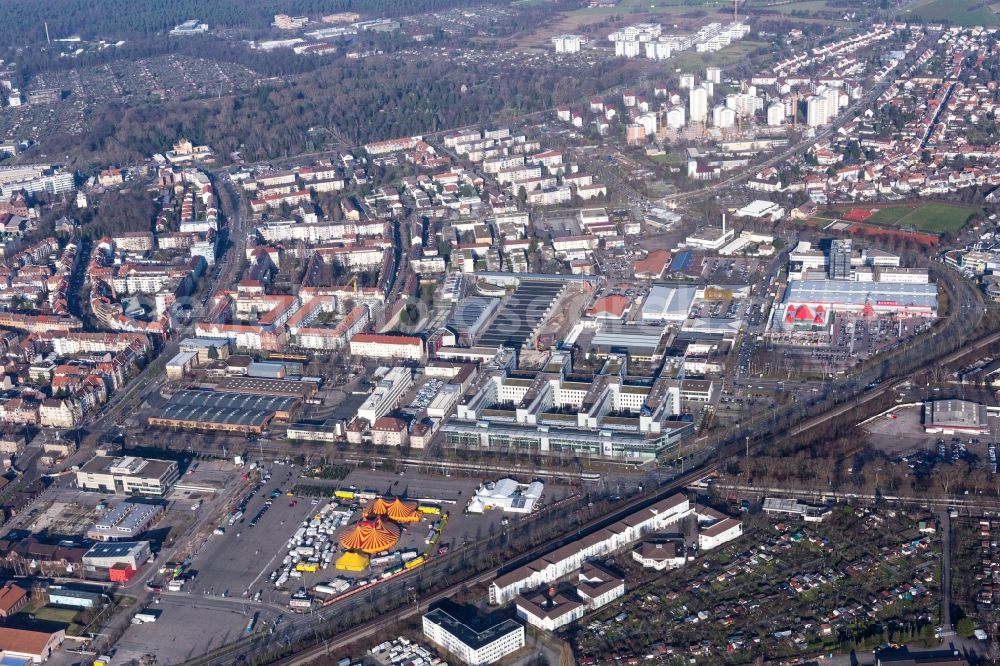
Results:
[403, 512]
[397, 510]
[352, 561]
[371, 536]
[378, 507]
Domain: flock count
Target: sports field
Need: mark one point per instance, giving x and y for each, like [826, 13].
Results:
[938, 218]
[956, 12]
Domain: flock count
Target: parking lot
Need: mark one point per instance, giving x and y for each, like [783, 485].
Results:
[187, 628]
[237, 562]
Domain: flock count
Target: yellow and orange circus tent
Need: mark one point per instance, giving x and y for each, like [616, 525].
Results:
[351, 561]
[403, 512]
[371, 536]
[378, 507]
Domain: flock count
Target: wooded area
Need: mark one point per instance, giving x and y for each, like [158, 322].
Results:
[24, 20]
[412, 97]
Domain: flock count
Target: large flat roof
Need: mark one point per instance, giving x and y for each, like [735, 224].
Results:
[475, 638]
[116, 549]
[859, 293]
[248, 401]
[958, 413]
[213, 415]
[668, 301]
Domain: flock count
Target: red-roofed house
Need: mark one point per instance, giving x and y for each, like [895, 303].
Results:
[387, 346]
[610, 307]
[652, 266]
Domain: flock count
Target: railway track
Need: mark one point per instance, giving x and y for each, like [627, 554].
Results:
[301, 629]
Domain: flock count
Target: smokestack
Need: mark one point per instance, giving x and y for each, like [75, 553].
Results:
[47, 40]
[723, 224]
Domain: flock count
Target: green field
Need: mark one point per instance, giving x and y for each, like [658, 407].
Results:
[789, 7]
[889, 216]
[625, 7]
[689, 61]
[670, 159]
[53, 614]
[936, 218]
[956, 12]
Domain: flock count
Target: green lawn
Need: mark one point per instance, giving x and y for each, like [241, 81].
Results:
[889, 216]
[936, 218]
[672, 159]
[53, 614]
[690, 61]
[957, 12]
[789, 7]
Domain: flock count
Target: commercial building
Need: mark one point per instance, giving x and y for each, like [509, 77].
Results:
[244, 413]
[531, 303]
[638, 341]
[950, 417]
[549, 439]
[278, 388]
[128, 475]
[387, 394]
[761, 209]
[66, 598]
[841, 251]
[125, 522]
[471, 316]
[21, 646]
[103, 556]
[12, 599]
[506, 495]
[810, 302]
[668, 303]
[475, 646]
[710, 238]
[792, 507]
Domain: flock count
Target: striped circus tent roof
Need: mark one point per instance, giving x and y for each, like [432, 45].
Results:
[371, 536]
[403, 512]
[378, 507]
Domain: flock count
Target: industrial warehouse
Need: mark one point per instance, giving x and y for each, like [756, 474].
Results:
[528, 307]
[223, 412]
[951, 417]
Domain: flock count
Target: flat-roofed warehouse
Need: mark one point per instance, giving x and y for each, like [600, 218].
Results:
[521, 314]
[668, 302]
[955, 416]
[471, 316]
[224, 412]
[267, 387]
[635, 340]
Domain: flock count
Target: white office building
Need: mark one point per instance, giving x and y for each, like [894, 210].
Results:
[473, 646]
[387, 394]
